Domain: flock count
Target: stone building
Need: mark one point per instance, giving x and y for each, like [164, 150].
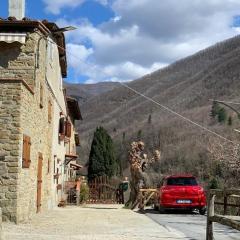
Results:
[33, 108]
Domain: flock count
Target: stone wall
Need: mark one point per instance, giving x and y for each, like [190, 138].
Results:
[10, 135]
[34, 123]
[18, 61]
[21, 114]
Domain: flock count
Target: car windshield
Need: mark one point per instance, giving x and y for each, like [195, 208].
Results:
[182, 181]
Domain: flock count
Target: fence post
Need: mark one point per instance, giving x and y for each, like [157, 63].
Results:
[225, 204]
[210, 213]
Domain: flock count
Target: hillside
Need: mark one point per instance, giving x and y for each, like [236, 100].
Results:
[83, 92]
[186, 87]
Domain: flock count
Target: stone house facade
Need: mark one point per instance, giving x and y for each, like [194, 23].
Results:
[32, 108]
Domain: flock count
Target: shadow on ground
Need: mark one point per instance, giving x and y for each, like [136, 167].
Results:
[170, 211]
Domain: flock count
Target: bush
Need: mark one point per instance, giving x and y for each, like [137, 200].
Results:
[84, 193]
[213, 184]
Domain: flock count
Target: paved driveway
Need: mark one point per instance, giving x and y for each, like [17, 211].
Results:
[94, 222]
[193, 226]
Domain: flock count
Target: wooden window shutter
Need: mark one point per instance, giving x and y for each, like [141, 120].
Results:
[48, 166]
[68, 129]
[41, 96]
[26, 152]
[49, 111]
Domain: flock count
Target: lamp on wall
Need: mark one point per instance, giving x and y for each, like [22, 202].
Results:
[65, 29]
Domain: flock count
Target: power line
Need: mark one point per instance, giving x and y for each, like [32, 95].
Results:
[164, 107]
[220, 101]
[177, 114]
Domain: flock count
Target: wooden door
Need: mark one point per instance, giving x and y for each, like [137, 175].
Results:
[39, 182]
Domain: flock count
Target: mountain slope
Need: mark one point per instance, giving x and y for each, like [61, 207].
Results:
[83, 92]
[186, 87]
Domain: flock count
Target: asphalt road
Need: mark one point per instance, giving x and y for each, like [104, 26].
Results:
[192, 225]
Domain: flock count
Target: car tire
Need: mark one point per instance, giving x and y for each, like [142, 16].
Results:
[161, 210]
[155, 207]
[202, 210]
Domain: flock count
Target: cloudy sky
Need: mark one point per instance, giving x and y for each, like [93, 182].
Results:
[121, 40]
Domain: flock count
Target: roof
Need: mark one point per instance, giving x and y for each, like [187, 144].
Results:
[11, 24]
[75, 165]
[73, 108]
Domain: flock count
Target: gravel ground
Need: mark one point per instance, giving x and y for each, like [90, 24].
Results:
[93, 222]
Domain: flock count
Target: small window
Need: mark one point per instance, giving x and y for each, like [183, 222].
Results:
[77, 139]
[49, 111]
[41, 96]
[68, 129]
[26, 152]
[182, 181]
[62, 126]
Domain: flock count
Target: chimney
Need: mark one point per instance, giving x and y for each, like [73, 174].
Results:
[16, 8]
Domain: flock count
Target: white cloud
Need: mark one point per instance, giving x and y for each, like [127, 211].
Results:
[149, 34]
[55, 6]
[77, 54]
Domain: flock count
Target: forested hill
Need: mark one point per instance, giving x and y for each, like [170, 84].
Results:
[84, 92]
[186, 86]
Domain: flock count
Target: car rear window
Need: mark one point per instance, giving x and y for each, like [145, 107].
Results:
[183, 181]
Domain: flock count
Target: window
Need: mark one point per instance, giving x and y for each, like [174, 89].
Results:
[61, 127]
[77, 139]
[49, 111]
[26, 152]
[68, 129]
[41, 96]
[182, 181]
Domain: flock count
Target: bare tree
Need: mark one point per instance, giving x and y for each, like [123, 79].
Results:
[225, 153]
[139, 162]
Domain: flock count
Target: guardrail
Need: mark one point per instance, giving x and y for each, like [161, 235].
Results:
[228, 220]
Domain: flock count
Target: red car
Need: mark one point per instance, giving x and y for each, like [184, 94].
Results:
[181, 192]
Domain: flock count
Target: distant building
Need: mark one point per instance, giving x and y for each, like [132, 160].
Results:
[37, 134]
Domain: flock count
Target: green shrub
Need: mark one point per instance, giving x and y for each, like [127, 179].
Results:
[213, 184]
[84, 193]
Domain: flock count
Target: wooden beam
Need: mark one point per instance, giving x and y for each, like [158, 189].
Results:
[226, 220]
[210, 213]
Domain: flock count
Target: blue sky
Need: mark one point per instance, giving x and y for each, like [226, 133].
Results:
[119, 40]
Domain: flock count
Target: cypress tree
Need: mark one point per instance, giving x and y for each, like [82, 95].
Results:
[149, 118]
[215, 109]
[139, 135]
[222, 115]
[230, 121]
[102, 160]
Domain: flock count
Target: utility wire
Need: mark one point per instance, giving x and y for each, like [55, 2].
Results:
[162, 106]
[177, 114]
[220, 101]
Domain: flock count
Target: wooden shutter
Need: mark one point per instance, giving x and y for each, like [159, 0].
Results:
[39, 181]
[68, 129]
[41, 96]
[26, 152]
[77, 139]
[49, 111]
[48, 166]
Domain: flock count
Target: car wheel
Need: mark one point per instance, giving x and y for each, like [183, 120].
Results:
[155, 207]
[161, 209]
[202, 210]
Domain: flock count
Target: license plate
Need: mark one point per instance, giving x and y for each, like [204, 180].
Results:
[184, 201]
